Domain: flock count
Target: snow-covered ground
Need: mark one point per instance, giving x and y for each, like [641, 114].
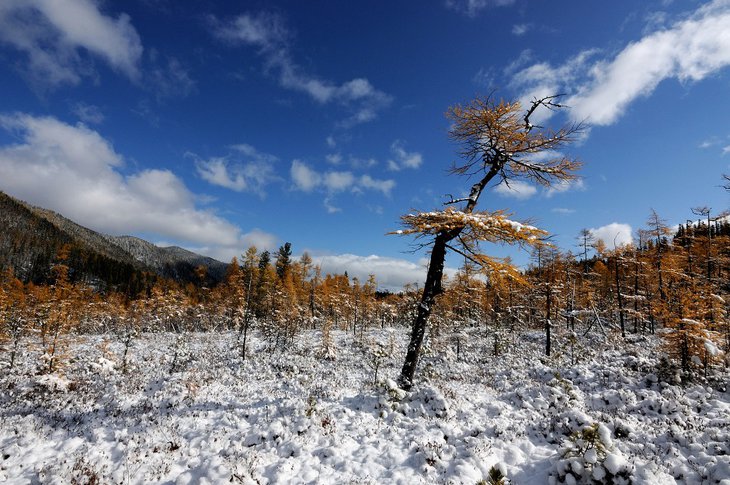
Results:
[289, 416]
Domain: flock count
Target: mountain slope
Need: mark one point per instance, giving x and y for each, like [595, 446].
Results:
[32, 237]
[173, 262]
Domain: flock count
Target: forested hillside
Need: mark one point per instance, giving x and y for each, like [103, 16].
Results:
[33, 237]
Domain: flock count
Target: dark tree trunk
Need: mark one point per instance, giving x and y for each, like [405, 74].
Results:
[433, 287]
[620, 298]
[430, 291]
[548, 325]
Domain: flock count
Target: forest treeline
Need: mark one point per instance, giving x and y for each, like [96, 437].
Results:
[672, 283]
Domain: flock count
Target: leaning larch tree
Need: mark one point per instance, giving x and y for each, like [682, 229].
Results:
[498, 143]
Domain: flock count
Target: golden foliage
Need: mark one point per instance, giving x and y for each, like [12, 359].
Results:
[500, 134]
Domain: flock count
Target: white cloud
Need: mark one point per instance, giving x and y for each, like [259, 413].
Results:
[403, 158]
[215, 171]
[562, 210]
[384, 186]
[362, 163]
[170, 81]
[269, 34]
[520, 29]
[332, 182]
[338, 181]
[614, 232]
[261, 239]
[471, 8]
[243, 169]
[331, 208]
[485, 77]
[542, 79]
[519, 62]
[88, 113]
[304, 178]
[75, 171]
[334, 158]
[256, 237]
[517, 189]
[56, 35]
[564, 186]
[391, 273]
[726, 150]
[601, 90]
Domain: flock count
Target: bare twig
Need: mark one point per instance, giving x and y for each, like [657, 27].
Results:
[547, 102]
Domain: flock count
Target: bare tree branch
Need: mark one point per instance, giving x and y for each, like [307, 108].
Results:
[547, 102]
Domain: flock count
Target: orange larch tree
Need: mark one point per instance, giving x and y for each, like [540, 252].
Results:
[498, 144]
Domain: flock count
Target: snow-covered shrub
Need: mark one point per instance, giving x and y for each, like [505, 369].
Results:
[562, 392]
[181, 354]
[668, 371]
[53, 383]
[427, 401]
[392, 397]
[327, 349]
[84, 472]
[587, 456]
[497, 475]
[311, 406]
[376, 356]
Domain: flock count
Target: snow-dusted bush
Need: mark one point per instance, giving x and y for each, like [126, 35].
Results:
[497, 475]
[377, 353]
[391, 397]
[181, 354]
[327, 350]
[587, 456]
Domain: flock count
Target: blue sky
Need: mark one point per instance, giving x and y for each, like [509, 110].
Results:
[217, 125]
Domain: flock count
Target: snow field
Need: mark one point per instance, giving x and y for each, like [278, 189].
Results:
[288, 416]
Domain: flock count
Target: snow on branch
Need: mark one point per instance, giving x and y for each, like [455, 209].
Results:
[477, 226]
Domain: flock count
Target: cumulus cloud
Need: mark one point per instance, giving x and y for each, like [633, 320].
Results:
[331, 182]
[471, 8]
[543, 79]
[307, 179]
[614, 232]
[75, 171]
[403, 159]
[268, 32]
[304, 178]
[244, 169]
[57, 36]
[517, 189]
[256, 237]
[391, 273]
[384, 186]
[216, 171]
[338, 181]
[601, 89]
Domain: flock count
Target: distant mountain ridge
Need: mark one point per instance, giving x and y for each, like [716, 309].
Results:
[166, 259]
[32, 237]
